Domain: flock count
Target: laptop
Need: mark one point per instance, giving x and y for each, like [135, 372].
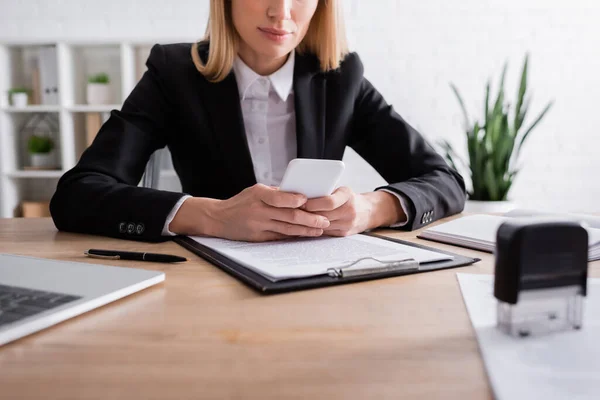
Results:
[37, 293]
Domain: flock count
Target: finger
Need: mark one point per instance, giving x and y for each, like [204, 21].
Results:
[341, 224]
[299, 217]
[288, 229]
[276, 198]
[344, 212]
[328, 203]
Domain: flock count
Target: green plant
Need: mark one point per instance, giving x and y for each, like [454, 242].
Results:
[18, 90]
[40, 144]
[494, 145]
[101, 78]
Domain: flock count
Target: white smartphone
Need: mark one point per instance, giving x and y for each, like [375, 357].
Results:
[312, 177]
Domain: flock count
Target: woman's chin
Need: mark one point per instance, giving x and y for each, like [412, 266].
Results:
[275, 52]
[274, 49]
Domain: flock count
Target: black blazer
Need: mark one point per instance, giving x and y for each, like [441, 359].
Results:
[201, 123]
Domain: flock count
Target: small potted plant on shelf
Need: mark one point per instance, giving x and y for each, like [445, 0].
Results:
[19, 97]
[41, 150]
[493, 146]
[98, 89]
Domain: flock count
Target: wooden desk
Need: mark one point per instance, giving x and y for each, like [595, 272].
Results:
[203, 334]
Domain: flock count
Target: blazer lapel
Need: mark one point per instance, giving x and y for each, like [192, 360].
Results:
[309, 97]
[223, 105]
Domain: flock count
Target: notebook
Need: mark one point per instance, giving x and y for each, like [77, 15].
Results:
[479, 232]
[590, 220]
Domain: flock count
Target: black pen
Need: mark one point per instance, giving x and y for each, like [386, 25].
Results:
[131, 255]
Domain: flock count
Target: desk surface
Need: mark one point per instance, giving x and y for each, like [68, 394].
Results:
[203, 334]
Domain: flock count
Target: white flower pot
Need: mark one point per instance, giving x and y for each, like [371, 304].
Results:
[491, 207]
[98, 94]
[43, 160]
[20, 99]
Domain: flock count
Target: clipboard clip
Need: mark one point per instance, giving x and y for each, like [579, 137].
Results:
[352, 269]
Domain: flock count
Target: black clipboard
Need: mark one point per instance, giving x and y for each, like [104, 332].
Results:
[264, 285]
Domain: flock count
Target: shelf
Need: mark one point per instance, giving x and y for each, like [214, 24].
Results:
[32, 109]
[66, 66]
[85, 108]
[36, 174]
[146, 41]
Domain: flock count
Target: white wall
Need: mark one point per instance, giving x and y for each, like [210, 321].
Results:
[411, 51]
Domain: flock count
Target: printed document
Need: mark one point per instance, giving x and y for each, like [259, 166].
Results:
[304, 257]
[556, 366]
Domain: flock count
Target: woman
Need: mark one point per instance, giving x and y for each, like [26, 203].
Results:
[272, 81]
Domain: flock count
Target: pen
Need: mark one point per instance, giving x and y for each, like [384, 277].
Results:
[131, 255]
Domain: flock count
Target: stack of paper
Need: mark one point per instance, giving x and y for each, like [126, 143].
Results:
[479, 232]
[557, 366]
[296, 258]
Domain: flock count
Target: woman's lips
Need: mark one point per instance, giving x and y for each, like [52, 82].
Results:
[276, 35]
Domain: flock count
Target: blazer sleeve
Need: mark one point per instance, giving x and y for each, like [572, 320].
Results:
[100, 194]
[403, 158]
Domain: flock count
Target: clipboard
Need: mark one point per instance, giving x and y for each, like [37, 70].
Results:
[266, 286]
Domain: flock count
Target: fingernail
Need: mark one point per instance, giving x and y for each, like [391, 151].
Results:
[324, 223]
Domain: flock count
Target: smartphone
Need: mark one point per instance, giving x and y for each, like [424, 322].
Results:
[312, 177]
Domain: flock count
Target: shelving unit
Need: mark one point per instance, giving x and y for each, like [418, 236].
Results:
[35, 174]
[123, 61]
[32, 109]
[85, 108]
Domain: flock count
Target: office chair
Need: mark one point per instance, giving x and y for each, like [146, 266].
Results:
[152, 172]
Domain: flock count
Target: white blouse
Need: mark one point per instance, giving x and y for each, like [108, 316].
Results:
[268, 110]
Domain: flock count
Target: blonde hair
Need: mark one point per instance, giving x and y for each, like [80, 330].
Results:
[325, 38]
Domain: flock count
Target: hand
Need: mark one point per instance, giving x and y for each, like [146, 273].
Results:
[258, 213]
[350, 213]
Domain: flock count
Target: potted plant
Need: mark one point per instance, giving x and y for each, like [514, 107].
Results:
[493, 146]
[41, 151]
[19, 97]
[98, 89]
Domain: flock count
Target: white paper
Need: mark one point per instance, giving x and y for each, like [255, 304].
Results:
[480, 228]
[562, 365]
[591, 220]
[313, 256]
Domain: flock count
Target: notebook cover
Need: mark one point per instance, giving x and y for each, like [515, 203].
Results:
[264, 285]
[453, 242]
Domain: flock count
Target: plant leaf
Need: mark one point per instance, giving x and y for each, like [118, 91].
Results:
[450, 155]
[499, 130]
[487, 102]
[522, 114]
[537, 120]
[498, 107]
[451, 161]
[491, 182]
[503, 147]
[504, 188]
[462, 106]
[496, 115]
[479, 156]
[522, 89]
